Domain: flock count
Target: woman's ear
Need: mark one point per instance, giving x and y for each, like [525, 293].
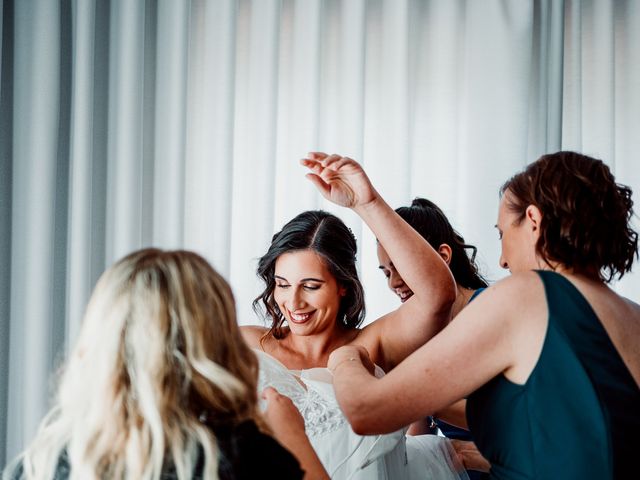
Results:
[342, 291]
[533, 216]
[445, 252]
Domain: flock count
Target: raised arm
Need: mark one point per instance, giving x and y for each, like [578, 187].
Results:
[397, 334]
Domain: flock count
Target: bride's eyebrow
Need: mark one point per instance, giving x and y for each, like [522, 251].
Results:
[311, 279]
[308, 279]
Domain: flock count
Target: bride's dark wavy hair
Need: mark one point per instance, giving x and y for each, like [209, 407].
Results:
[585, 213]
[330, 238]
[430, 221]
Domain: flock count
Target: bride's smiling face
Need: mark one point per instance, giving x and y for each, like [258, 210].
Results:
[306, 292]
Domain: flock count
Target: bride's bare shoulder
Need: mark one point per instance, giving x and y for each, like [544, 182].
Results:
[632, 306]
[252, 334]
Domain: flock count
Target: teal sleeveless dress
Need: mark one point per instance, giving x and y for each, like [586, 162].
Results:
[578, 414]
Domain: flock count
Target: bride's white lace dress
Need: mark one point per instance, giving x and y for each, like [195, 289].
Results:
[345, 454]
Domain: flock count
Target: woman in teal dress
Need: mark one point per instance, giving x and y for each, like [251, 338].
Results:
[550, 359]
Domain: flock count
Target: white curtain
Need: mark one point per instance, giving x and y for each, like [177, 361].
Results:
[180, 124]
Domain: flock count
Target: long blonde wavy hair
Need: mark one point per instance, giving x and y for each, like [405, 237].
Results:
[159, 351]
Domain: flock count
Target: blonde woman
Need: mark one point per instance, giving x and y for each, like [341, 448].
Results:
[161, 385]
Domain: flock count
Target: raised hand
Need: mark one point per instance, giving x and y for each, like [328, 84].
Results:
[340, 180]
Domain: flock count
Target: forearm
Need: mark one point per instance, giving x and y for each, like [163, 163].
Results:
[295, 440]
[309, 461]
[454, 414]
[370, 413]
[401, 397]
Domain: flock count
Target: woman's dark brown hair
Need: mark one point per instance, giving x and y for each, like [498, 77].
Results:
[430, 221]
[585, 213]
[330, 238]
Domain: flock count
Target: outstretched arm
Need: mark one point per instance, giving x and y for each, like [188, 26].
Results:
[397, 334]
[500, 332]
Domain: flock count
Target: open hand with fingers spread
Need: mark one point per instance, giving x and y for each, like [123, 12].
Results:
[340, 180]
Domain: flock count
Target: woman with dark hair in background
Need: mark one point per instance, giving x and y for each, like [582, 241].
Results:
[160, 385]
[548, 357]
[315, 303]
[433, 225]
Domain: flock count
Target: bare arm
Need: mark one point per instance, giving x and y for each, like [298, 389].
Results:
[499, 332]
[397, 334]
[454, 414]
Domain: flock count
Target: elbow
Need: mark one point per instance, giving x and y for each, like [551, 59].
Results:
[438, 315]
[369, 425]
[447, 304]
[438, 299]
[362, 424]
[364, 420]
[446, 297]
[450, 291]
[359, 416]
[361, 428]
[365, 404]
[353, 410]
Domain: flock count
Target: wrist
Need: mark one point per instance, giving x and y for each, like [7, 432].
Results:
[347, 360]
[369, 205]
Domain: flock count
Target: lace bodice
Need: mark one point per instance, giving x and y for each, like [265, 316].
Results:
[310, 390]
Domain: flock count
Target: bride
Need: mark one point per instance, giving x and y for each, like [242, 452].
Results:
[345, 454]
[315, 303]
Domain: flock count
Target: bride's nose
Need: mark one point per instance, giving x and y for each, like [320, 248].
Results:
[297, 299]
